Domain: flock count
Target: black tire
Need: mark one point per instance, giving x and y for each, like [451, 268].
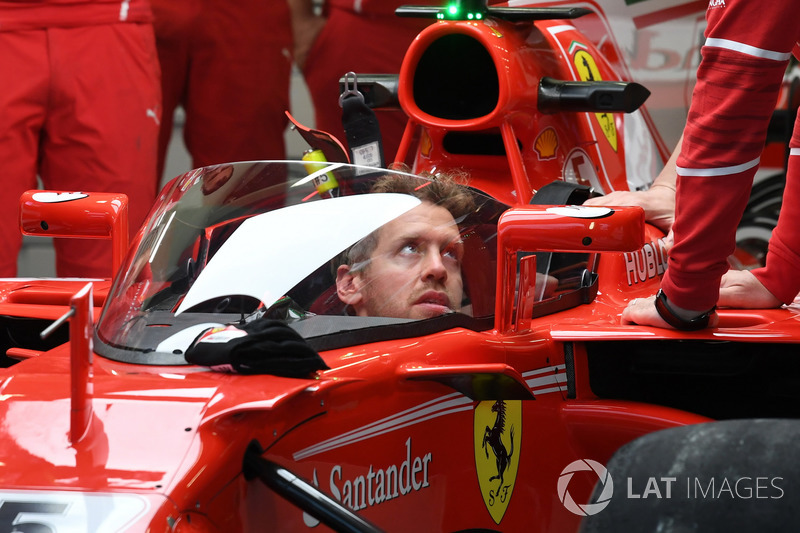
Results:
[756, 457]
[758, 221]
[752, 240]
[766, 196]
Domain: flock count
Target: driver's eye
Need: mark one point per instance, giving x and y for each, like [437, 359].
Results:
[410, 248]
[454, 252]
[451, 254]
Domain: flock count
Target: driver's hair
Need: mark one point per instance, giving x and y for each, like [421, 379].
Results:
[444, 190]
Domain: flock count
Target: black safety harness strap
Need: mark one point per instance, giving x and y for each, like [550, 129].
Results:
[361, 128]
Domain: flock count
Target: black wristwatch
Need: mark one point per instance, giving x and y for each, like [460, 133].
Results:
[694, 324]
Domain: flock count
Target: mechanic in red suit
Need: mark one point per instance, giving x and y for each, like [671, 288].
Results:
[228, 64]
[363, 36]
[79, 107]
[746, 53]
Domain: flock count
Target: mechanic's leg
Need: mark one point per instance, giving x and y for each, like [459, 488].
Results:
[239, 83]
[174, 23]
[103, 127]
[22, 107]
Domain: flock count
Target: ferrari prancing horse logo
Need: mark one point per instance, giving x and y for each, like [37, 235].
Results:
[588, 71]
[497, 435]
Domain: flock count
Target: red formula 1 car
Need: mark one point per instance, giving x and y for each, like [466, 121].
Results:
[223, 381]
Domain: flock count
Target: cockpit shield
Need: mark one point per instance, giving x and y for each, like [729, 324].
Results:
[229, 244]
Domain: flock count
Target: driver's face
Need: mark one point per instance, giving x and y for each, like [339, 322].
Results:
[216, 178]
[415, 269]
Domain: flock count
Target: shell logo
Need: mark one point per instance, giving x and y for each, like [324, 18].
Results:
[425, 144]
[546, 144]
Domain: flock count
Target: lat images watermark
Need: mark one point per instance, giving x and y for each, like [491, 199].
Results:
[603, 477]
[708, 488]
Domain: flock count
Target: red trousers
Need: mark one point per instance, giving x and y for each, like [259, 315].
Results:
[365, 44]
[228, 64]
[81, 111]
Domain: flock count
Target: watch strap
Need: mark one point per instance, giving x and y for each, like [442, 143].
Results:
[666, 312]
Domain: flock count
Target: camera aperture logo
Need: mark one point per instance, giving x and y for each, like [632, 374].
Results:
[707, 488]
[604, 478]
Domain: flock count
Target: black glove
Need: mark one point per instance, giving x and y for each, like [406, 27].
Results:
[260, 347]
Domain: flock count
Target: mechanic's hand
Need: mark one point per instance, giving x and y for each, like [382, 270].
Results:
[305, 31]
[669, 240]
[643, 311]
[740, 288]
[658, 203]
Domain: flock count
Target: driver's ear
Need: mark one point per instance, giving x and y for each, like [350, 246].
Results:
[348, 286]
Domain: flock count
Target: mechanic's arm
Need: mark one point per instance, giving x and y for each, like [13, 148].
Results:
[306, 25]
[658, 201]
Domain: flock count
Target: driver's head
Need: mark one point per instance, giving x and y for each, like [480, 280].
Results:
[411, 266]
[215, 177]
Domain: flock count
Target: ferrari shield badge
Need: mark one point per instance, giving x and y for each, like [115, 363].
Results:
[497, 434]
[588, 71]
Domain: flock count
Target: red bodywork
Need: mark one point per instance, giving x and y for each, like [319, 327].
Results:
[399, 431]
